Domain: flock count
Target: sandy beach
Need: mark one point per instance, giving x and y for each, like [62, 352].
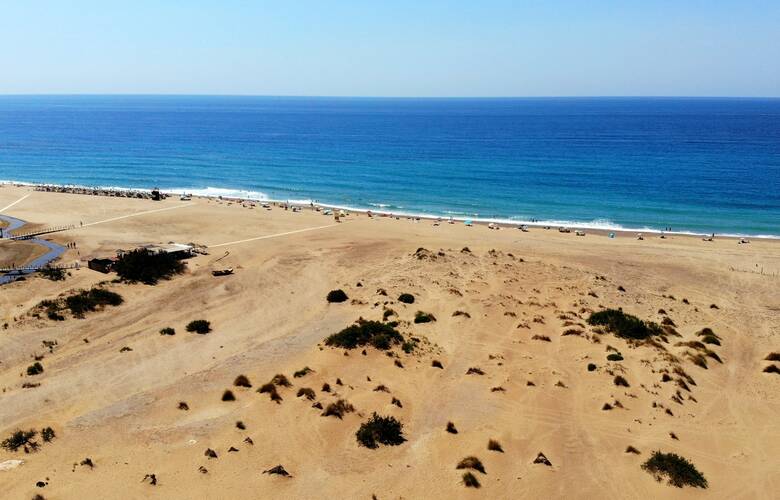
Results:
[112, 386]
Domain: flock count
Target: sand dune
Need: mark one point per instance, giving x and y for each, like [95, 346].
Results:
[520, 293]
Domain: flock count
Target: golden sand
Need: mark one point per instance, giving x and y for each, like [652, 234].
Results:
[120, 407]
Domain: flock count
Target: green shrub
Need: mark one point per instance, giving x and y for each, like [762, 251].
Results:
[380, 430]
[380, 335]
[679, 471]
[167, 331]
[200, 326]
[35, 369]
[408, 346]
[406, 298]
[623, 325]
[47, 434]
[53, 273]
[423, 317]
[337, 296]
[91, 300]
[145, 266]
[20, 439]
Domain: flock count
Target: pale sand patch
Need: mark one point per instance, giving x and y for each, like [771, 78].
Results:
[121, 408]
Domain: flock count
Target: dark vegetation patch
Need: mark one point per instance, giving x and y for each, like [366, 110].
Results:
[470, 480]
[624, 325]
[53, 273]
[451, 428]
[424, 317]
[474, 371]
[406, 298]
[228, 395]
[145, 266]
[35, 369]
[620, 381]
[277, 470]
[678, 470]
[21, 439]
[380, 430]
[338, 409]
[167, 331]
[303, 372]
[337, 296]
[409, 346]
[471, 462]
[541, 459]
[461, 313]
[633, 450]
[543, 338]
[591, 367]
[200, 326]
[572, 331]
[614, 356]
[380, 335]
[242, 381]
[494, 445]
[773, 356]
[772, 369]
[397, 402]
[80, 303]
[387, 313]
[183, 406]
[281, 380]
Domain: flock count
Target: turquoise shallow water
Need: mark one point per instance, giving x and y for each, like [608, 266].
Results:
[698, 165]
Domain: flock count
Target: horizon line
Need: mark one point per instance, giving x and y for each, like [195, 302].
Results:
[340, 96]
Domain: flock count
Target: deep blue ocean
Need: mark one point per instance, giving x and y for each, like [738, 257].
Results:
[699, 165]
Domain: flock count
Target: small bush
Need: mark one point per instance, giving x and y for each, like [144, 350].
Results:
[623, 325]
[711, 339]
[280, 380]
[633, 450]
[167, 331]
[302, 372]
[470, 480]
[572, 331]
[614, 356]
[53, 273]
[406, 298]
[591, 367]
[200, 326]
[679, 471]
[228, 396]
[772, 369]
[145, 266]
[35, 369]
[20, 439]
[380, 335]
[423, 317]
[773, 356]
[381, 388]
[474, 371]
[451, 428]
[494, 445]
[242, 381]
[183, 406]
[620, 381]
[387, 313]
[471, 463]
[337, 296]
[461, 313]
[47, 434]
[408, 346]
[338, 409]
[544, 338]
[380, 430]
[436, 364]
[397, 402]
[91, 300]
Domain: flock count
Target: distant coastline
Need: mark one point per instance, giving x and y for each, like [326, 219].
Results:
[254, 196]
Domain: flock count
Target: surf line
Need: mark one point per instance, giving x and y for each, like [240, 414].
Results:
[134, 215]
[14, 203]
[269, 236]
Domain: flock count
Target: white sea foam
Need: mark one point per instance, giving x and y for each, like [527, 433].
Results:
[596, 224]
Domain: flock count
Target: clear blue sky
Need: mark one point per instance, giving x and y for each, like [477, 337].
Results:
[392, 48]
